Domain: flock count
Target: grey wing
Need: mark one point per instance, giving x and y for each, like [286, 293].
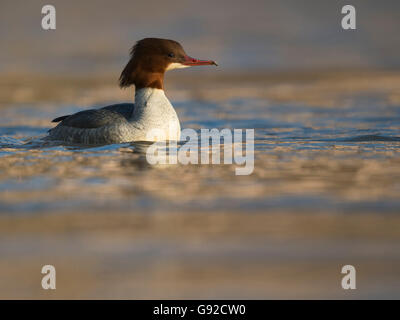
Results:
[95, 126]
[90, 119]
[126, 109]
[96, 118]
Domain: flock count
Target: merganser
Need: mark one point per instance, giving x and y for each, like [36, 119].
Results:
[150, 58]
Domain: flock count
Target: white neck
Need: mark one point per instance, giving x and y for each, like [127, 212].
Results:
[147, 96]
[154, 111]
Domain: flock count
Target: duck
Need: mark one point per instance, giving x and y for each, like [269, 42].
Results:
[150, 59]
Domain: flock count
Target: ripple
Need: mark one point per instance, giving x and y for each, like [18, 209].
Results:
[40, 175]
[368, 138]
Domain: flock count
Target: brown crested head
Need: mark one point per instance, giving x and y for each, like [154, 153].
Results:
[150, 58]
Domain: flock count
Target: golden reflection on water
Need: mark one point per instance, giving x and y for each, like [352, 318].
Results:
[116, 227]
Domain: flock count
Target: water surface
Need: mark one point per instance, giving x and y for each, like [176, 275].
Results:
[324, 193]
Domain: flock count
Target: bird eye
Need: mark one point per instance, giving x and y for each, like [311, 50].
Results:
[171, 55]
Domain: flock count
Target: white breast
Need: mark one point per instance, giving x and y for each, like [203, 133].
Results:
[154, 113]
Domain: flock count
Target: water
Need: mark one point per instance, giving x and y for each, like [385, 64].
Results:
[296, 142]
[324, 193]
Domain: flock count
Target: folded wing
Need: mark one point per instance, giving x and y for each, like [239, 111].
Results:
[96, 118]
[105, 125]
